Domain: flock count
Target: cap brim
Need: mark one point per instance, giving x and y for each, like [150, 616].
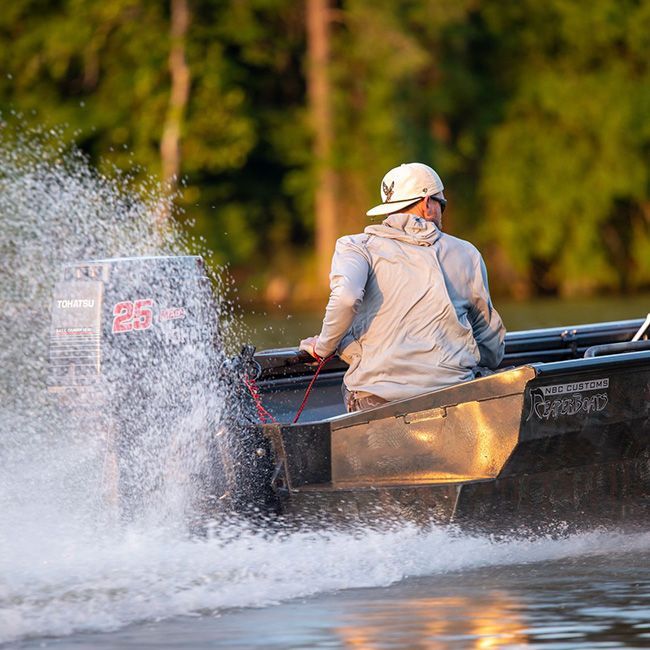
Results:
[387, 208]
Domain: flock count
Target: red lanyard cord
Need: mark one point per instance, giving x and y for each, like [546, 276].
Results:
[321, 363]
[263, 414]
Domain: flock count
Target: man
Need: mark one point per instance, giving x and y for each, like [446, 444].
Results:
[410, 308]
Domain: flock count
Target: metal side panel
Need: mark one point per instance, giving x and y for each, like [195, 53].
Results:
[500, 384]
[584, 413]
[307, 454]
[608, 493]
[454, 438]
[327, 505]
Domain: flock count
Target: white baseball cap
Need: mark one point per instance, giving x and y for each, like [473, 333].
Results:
[404, 185]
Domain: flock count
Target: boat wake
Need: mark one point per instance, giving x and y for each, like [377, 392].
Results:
[67, 562]
[61, 577]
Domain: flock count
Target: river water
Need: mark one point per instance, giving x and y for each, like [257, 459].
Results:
[73, 576]
[404, 589]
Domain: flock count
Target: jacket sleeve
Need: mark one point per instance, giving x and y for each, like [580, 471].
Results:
[489, 330]
[350, 268]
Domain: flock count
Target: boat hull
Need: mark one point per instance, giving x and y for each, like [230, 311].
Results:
[543, 445]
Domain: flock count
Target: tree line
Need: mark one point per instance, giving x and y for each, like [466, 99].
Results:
[276, 120]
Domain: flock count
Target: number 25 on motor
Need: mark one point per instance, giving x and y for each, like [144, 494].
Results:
[132, 315]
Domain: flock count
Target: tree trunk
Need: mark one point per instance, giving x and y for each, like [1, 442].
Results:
[320, 105]
[170, 144]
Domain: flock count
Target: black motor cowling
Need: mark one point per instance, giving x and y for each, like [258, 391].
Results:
[136, 342]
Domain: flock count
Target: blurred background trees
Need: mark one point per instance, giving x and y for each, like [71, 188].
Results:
[278, 118]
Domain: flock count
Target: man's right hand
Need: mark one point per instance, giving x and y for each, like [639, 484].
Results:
[308, 345]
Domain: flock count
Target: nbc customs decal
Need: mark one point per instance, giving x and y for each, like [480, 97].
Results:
[579, 397]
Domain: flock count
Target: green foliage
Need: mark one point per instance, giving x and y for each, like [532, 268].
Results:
[566, 170]
[535, 114]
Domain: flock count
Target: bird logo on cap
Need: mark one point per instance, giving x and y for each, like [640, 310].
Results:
[388, 191]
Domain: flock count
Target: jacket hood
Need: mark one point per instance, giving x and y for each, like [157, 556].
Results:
[407, 228]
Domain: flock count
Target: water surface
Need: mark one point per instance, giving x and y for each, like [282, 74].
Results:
[587, 600]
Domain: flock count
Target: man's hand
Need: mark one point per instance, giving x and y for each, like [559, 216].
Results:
[308, 345]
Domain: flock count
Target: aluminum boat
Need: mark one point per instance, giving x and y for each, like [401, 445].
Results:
[560, 433]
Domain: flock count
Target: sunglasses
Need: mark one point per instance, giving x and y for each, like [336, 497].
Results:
[443, 202]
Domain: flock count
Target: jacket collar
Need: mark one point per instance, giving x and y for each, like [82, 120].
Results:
[407, 228]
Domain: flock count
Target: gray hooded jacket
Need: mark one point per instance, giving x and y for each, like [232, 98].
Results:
[409, 309]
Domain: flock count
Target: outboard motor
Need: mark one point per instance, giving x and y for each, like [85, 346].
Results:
[136, 341]
[108, 312]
